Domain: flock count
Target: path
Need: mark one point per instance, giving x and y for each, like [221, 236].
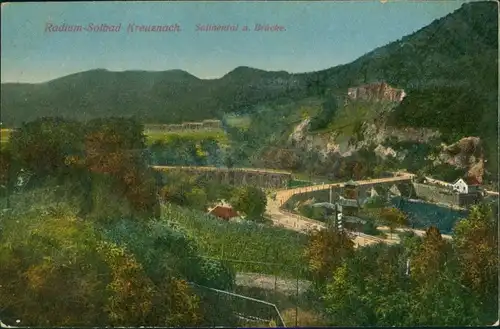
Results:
[298, 223]
[287, 286]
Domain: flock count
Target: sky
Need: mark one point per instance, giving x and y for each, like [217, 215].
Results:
[317, 35]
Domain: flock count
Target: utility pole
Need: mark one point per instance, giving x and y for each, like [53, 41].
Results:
[339, 222]
[296, 303]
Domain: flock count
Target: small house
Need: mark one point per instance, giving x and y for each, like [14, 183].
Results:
[223, 212]
[466, 186]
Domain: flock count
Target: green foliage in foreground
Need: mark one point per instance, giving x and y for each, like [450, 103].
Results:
[124, 272]
[446, 283]
[244, 242]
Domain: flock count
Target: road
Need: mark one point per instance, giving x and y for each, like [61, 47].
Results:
[283, 195]
[299, 223]
[287, 286]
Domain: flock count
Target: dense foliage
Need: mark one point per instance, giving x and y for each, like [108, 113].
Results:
[186, 151]
[251, 201]
[129, 272]
[79, 233]
[422, 281]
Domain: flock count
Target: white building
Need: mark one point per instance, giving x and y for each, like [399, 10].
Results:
[463, 187]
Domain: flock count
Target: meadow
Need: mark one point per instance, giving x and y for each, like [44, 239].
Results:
[238, 121]
[4, 135]
[198, 135]
[250, 247]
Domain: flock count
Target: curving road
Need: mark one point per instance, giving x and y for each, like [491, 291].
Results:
[299, 223]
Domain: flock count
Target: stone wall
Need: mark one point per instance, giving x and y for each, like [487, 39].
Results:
[467, 200]
[238, 177]
[436, 194]
[186, 126]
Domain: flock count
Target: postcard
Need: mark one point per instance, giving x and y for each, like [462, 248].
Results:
[249, 164]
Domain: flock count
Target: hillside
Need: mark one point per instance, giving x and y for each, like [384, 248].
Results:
[447, 69]
[164, 97]
[457, 50]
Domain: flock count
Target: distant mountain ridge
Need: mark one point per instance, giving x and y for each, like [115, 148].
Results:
[164, 97]
[459, 49]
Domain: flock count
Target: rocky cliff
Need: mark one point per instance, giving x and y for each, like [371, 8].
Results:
[388, 142]
[467, 154]
[376, 92]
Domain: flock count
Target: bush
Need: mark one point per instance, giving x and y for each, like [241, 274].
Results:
[370, 228]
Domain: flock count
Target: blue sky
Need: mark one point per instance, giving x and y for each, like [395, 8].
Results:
[318, 35]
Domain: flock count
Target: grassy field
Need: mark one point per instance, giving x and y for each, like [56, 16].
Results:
[238, 121]
[152, 136]
[4, 135]
[250, 246]
[217, 134]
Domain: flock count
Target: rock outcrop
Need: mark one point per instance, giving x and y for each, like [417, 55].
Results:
[376, 92]
[467, 153]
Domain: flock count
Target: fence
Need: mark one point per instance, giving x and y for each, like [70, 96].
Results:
[232, 309]
[256, 299]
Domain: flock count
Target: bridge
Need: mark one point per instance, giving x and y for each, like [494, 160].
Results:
[284, 218]
[264, 178]
[364, 186]
[276, 179]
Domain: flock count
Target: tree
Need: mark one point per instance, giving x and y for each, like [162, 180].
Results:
[9, 170]
[62, 263]
[432, 256]
[197, 199]
[366, 289]
[114, 147]
[376, 202]
[325, 252]
[176, 305]
[251, 201]
[476, 242]
[42, 146]
[393, 218]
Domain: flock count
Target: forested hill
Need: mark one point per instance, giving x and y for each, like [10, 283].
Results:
[457, 50]
[449, 69]
[166, 97]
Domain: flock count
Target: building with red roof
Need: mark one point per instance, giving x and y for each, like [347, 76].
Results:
[224, 212]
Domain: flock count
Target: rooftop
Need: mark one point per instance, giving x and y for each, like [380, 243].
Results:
[224, 212]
